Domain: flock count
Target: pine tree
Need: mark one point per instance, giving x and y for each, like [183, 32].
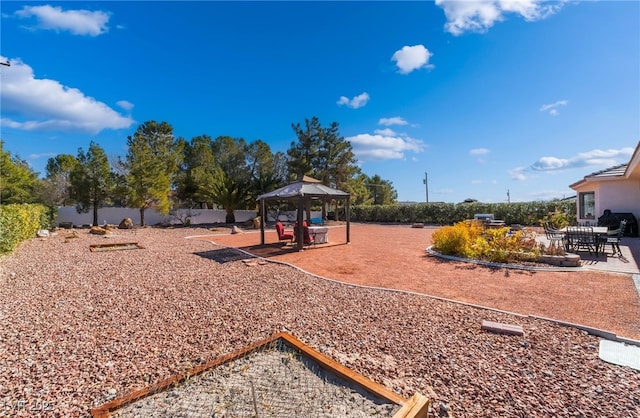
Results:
[152, 162]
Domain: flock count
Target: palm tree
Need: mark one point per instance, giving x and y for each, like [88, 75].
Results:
[231, 195]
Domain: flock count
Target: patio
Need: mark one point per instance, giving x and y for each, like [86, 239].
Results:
[628, 262]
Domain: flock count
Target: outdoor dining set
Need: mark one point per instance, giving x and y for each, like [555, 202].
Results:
[593, 239]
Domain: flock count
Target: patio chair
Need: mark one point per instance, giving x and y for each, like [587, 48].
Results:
[282, 235]
[614, 237]
[555, 236]
[307, 239]
[582, 237]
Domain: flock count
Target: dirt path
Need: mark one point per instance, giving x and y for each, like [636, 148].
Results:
[394, 257]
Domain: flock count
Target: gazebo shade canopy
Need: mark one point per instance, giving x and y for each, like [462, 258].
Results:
[304, 189]
[302, 192]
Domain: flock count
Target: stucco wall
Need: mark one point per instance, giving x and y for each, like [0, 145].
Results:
[617, 195]
[152, 217]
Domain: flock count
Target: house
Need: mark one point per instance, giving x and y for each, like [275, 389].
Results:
[616, 188]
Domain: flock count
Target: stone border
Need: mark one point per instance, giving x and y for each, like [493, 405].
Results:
[435, 253]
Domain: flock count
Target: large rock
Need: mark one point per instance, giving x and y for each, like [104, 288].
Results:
[126, 223]
[98, 230]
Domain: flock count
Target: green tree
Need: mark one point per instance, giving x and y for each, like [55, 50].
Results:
[58, 179]
[382, 191]
[231, 156]
[336, 162]
[152, 162]
[360, 194]
[198, 169]
[261, 165]
[18, 181]
[303, 154]
[91, 180]
[231, 194]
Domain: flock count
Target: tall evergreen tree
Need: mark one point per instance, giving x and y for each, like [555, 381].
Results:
[91, 180]
[336, 162]
[152, 162]
[303, 154]
[198, 169]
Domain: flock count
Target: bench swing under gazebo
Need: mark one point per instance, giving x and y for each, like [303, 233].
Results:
[301, 194]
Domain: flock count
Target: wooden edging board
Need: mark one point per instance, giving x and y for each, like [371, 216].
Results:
[94, 247]
[414, 407]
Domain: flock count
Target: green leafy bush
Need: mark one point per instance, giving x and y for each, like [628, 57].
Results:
[470, 239]
[19, 222]
[523, 213]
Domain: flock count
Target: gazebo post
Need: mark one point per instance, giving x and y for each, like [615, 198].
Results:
[263, 219]
[348, 216]
[300, 231]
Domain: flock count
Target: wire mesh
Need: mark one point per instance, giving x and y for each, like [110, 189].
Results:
[275, 380]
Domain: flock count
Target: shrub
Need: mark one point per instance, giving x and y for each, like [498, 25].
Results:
[19, 222]
[469, 239]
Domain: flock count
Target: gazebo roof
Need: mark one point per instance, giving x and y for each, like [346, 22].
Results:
[308, 187]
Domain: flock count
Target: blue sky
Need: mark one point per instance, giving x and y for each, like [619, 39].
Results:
[485, 96]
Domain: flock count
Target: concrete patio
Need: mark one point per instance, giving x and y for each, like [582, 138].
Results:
[628, 262]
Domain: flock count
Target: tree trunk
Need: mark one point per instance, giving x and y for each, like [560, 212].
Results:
[230, 218]
[142, 216]
[95, 214]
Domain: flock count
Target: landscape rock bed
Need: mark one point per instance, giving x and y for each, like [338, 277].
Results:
[81, 328]
[274, 380]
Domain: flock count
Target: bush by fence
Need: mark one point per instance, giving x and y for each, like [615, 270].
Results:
[19, 222]
[524, 213]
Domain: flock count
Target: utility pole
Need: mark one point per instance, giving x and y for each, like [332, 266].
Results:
[508, 197]
[426, 185]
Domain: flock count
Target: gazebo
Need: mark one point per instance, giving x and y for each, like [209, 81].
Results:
[301, 193]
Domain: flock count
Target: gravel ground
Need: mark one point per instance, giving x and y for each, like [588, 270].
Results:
[79, 328]
[271, 382]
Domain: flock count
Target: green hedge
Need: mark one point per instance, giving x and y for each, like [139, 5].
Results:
[19, 222]
[524, 213]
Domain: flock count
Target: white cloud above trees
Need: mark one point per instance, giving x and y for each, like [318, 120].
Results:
[594, 159]
[33, 104]
[480, 15]
[410, 58]
[78, 22]
[358, 101]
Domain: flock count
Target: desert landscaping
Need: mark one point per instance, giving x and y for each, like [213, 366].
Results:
[81, 328]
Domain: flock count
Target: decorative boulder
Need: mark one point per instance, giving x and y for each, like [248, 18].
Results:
[235, 230]
[256, 222]
[98, 230]
[43, 233]
[126, 223]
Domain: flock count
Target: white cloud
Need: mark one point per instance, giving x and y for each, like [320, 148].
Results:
[553, 107]
[358, 101]
[33, 104]
[411, 58]
[476, 181]
[385, 132]
[383, 147]
[595, 159]
[78, 22]
[42, 155]
[396, 120]
[124, 104]
[518, 173]
[479, 151]
[480, 15]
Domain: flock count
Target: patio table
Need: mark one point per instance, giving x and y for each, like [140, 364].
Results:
[598, 232]
[320, 234]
